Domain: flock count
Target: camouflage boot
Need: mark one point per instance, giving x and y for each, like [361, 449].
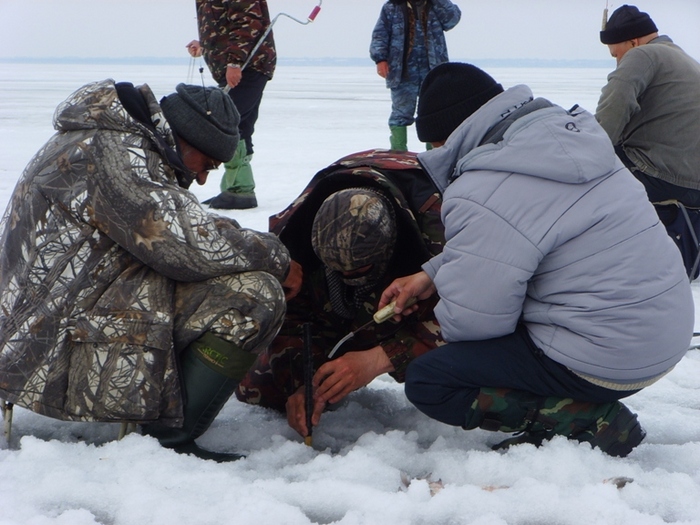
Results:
[608, 426]
[398, 138]
[210, 372]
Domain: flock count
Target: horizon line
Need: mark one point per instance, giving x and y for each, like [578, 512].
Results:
[308, 61]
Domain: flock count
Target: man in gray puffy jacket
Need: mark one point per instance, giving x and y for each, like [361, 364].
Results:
[559, 291]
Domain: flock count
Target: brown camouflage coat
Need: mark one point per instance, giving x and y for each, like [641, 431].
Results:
[278, 372]
[108, 268]
[229, 31]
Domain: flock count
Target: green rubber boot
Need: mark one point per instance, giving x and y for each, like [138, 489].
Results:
[238, 177]
[398, 138]
[608, 426]
[211, 370]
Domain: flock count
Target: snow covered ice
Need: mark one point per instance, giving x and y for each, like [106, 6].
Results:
[376, 459]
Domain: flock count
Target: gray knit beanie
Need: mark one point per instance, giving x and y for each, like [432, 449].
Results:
[204, 117]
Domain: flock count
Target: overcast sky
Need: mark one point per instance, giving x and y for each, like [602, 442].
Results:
[535, 29]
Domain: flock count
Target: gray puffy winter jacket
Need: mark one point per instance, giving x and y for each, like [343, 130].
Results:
[546, 226]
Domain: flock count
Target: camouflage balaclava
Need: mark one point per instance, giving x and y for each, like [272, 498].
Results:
[352, 229]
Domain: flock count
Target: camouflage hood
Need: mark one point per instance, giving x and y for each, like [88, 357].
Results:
[398, 176]
[100, 108]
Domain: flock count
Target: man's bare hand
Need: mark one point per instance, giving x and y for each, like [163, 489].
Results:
[418, 285]
[292, 284]
[383, 69]
[336, 379]
[296, 412]
[194, 49]
[233, 76]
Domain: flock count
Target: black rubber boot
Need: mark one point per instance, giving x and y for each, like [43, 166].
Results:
[210, 372]
[232, 201]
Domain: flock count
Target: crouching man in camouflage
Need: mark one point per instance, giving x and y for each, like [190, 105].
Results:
[122, 299]
[361, 222]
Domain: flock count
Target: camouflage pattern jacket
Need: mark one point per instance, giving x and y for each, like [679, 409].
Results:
[95, 237]
[278, 372]
[229, 30]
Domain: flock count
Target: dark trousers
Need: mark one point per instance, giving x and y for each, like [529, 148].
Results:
[247, 96]
[444, 382]
[659, 190]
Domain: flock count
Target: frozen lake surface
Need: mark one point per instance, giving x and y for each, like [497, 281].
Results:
[376, 460]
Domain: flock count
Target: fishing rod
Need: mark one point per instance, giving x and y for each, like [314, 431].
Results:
[605, 15]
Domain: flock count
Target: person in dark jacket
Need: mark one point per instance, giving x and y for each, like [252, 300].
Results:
[361, 222]
[650, 109]
[408, 40]
[122, 298]
[236, 41]
[559, 294]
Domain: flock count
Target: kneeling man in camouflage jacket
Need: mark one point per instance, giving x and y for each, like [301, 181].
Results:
[122, 298]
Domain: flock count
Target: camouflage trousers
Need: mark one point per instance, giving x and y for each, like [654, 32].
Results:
[246, 309]
[404, 97]
[125, 368]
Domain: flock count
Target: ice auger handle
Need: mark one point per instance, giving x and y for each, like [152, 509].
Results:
[314, 13]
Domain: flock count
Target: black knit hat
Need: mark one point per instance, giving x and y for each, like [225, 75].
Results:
[204, 117]
[449, 94]
[627, 22]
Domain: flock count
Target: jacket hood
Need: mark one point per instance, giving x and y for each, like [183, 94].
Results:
[97, 106]
[396, 175]
[548, 143]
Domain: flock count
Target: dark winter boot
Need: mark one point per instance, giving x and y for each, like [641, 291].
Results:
[398, 138]
[211, 369]
[232, 201]
[608, 426]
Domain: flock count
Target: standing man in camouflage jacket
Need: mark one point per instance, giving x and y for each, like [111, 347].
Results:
[229, 34]
[121, 298]
[359, 223]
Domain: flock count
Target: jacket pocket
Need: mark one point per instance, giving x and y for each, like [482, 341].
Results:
[118, 374]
